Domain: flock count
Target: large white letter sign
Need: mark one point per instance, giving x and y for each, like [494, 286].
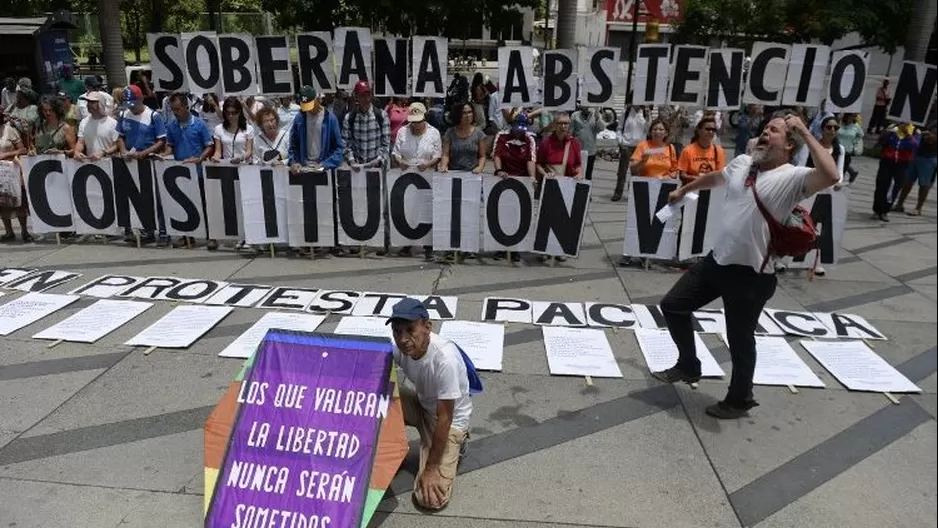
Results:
[353, 53]
[515, 88]
[559, 80]
[829, 212]
[134, 193]
[92, 197]
[50, 201]
[273, 65]
[456, 202]
[767, 73]
[311, 210]
[360, 207]
[166, 58]
[509, 211]
[181, 198]
[687, 83]
[390, 67]
[598, 68]
[804, 83]
[652, 74]
[645, 235]
[725, 79]
[915, 92]
[315, 60]
[264, 203]
[203, 67]
[848, 81]
[700, 224]
[410, 208]
[238, 70]
[429, 66]
[561, 216]
[223, 202]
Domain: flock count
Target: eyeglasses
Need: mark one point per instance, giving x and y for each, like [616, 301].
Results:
[832, 127]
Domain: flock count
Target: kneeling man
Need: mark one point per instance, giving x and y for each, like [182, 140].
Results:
[441, 406]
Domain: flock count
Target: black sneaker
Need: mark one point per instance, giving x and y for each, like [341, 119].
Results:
[674, 375]
[725, 411]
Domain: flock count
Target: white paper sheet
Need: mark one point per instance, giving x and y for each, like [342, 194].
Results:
[364, 326]
[30, 308]
[665, 213]
[245, 345]
[579, 352]
[858, 367]
[181, 327]
[778, 364]
[484, 343]
[661, 353]
[95, 321]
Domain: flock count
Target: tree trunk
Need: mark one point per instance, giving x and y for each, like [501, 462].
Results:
[920, 30]
[112, 45]
[566, 24]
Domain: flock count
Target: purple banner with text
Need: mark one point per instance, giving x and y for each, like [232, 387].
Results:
[301, 452]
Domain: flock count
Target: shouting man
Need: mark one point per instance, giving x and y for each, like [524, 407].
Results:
[441, 406]
[737, 269]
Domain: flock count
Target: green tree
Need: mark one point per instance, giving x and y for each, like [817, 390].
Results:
[741, 22]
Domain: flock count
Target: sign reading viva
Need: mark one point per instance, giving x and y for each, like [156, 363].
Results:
[303, 444]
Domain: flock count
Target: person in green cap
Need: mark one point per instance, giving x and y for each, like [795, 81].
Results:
[315, 138]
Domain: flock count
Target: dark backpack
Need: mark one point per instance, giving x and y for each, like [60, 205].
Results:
[795, 236]
[379, 118]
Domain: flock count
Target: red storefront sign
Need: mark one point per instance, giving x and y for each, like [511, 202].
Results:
[661, 11]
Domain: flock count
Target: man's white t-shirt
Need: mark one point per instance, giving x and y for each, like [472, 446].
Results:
[439, 375]
[744, 235]
[98, 134]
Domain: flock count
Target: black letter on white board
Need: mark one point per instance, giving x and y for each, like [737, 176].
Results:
[683, 74]
[193, 218]
[914, 92]
[353, 60]
[837, 75]
[269, 201]
[234, 54]
[757, 73]
[396, 206]
[162, 56]
[700, 222]
[557, 69]
[822, 213]
[126, 193]
[843, 322]
[80, 196]
[648, 226]
[726, 78]
[515, 80]
[268, 66]
[455, 214]
[605, 83]
[390, 66]
[343, 186]
[430, 69]
[654, 55]
[566, 224]
[38, 201]
[227, 176]
[309, 181]
[493, 306]
[208, 82]
[312, 52]
[491, 212]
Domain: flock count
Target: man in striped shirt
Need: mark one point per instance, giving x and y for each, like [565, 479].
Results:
[366, 132]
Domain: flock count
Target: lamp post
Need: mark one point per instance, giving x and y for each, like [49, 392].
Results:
[632, 51]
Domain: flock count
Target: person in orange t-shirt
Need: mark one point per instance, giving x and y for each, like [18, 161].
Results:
[655, 157]
[701, 156]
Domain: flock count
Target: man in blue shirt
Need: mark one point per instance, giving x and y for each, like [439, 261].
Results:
[188, 140]
[141, 133]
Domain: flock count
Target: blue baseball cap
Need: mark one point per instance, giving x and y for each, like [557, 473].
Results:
[521, 123]
[408, 309]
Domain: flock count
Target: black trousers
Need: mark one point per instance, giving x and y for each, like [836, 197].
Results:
[848, 158]
[590, 161]
[744, 293]
[889, 173]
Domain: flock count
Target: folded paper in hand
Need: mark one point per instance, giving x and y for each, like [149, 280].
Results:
[668, 211]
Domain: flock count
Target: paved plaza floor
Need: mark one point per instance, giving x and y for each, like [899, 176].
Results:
[103, 436]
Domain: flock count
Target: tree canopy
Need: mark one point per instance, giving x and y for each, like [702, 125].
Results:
[739, 22]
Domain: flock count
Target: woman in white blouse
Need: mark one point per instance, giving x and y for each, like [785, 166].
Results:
[418, 145]
[234, 138]
[271, 143]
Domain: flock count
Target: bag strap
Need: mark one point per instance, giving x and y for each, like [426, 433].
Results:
[769, 219]
[566, 155]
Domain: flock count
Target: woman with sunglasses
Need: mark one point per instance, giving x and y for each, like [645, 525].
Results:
[234, 138]
[702, 155]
